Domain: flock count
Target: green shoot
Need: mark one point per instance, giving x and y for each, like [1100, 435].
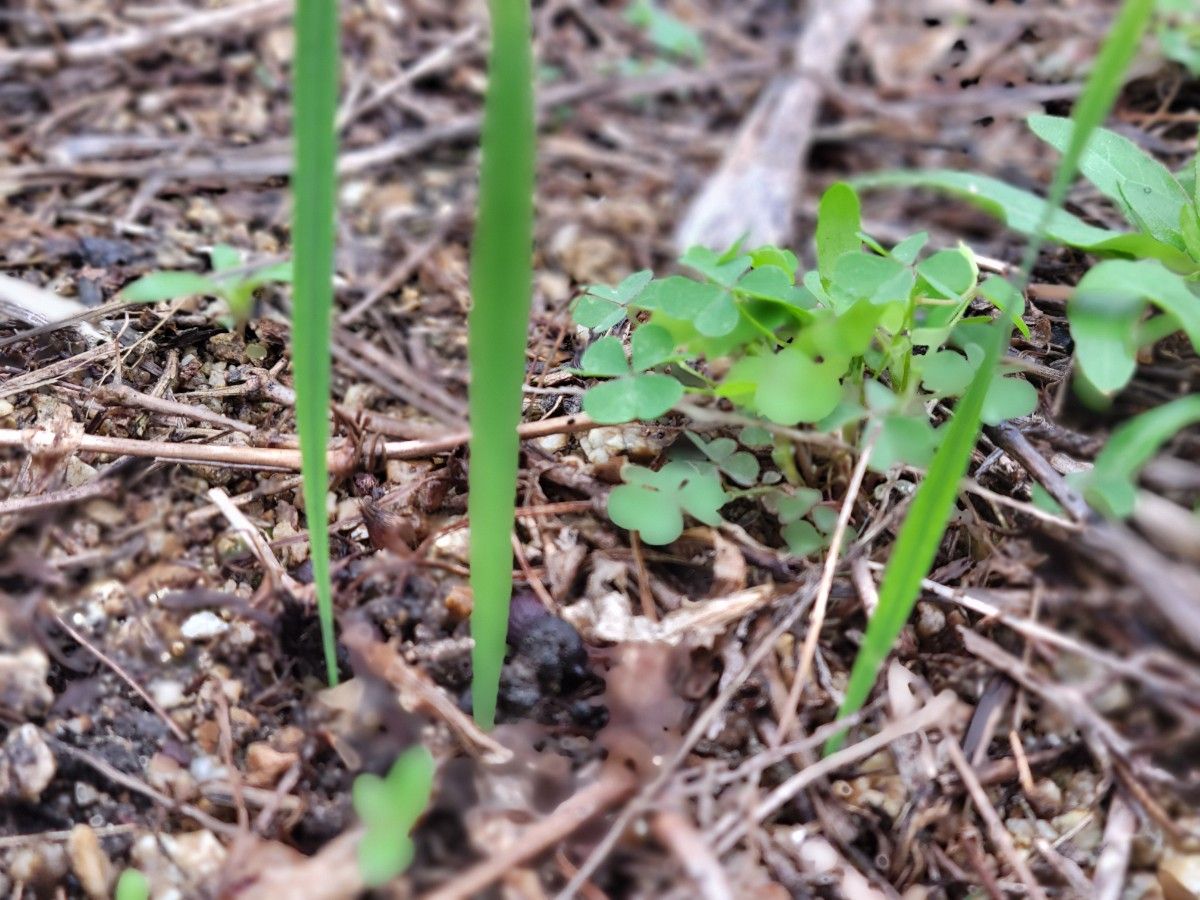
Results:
[921, 534]
[132, 885]
[315, 87]
[389, 808]
[230, 281]
[501, 283]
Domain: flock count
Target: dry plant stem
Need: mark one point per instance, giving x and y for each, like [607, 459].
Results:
[127, 396]
[1108, 879]
[242, 16]
[39, 307]
[613, 785]
[341, 460]
[101, 487]
[174, 728]
[817, 620]
[996, 830]
[753, 194]
[116, 776]
[692, 851]
[640, 804]
[254, 541]
[384, 662]
[933, 713]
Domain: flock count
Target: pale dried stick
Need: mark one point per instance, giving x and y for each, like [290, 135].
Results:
[254, 541]
[817, 620]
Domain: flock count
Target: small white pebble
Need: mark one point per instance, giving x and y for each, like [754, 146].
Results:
[167, 694]
[203, 625]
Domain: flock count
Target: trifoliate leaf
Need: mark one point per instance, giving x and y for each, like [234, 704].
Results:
[945, 372]
[604, 357]
[651, 345]
[652, 503]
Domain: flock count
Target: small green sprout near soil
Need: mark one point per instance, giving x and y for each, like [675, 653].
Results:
[231, 281]
[389, 808]
[132, 885]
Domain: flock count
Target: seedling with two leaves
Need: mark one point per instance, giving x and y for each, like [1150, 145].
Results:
[389, 808]
[230, 281]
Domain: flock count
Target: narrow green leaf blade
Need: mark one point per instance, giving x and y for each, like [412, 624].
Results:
[501, 283]
[159, 286]
[315, 88]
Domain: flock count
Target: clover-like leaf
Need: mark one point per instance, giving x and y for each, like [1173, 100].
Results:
[159, 286]
[723, 268]
[651, 345]
[790, 507]
[877, 279]
[739, 465]
[605, 357]
[776, 258]
[1009, 397]
[601, 307]
[788, 386]
[645, 396]
[802, 538]
[907, 250]
[945, 372]
[907, 439]
[653, 503]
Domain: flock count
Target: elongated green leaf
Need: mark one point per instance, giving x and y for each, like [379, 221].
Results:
[501, 282]
[159, 286]
[1022, 211]
[1106, 306]
[838, 224]
[1140, 185]
[1110, 485]
[315, 88]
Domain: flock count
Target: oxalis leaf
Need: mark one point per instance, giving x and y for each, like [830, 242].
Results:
[633, 393]
[921, 534]
[653, 503]
[739, 465]
[601, 307]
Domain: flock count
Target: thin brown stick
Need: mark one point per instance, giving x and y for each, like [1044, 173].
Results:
[171, 724]
[996, 830]
[341, 459]
[129, 782]
[817, 619]
[127, 396]
[246, 15]
[614, 784]
[688, 846]
[96, 488]
[933, 713]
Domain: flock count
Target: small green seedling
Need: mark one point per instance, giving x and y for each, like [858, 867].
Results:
[389, 808]
[229, 281]
[132, 885]
[670, 35]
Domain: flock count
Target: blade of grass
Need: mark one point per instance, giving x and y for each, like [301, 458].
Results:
[921, 534]
[501, 282]
[314, 88]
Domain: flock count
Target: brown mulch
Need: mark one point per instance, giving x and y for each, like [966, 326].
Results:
[161, 703]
